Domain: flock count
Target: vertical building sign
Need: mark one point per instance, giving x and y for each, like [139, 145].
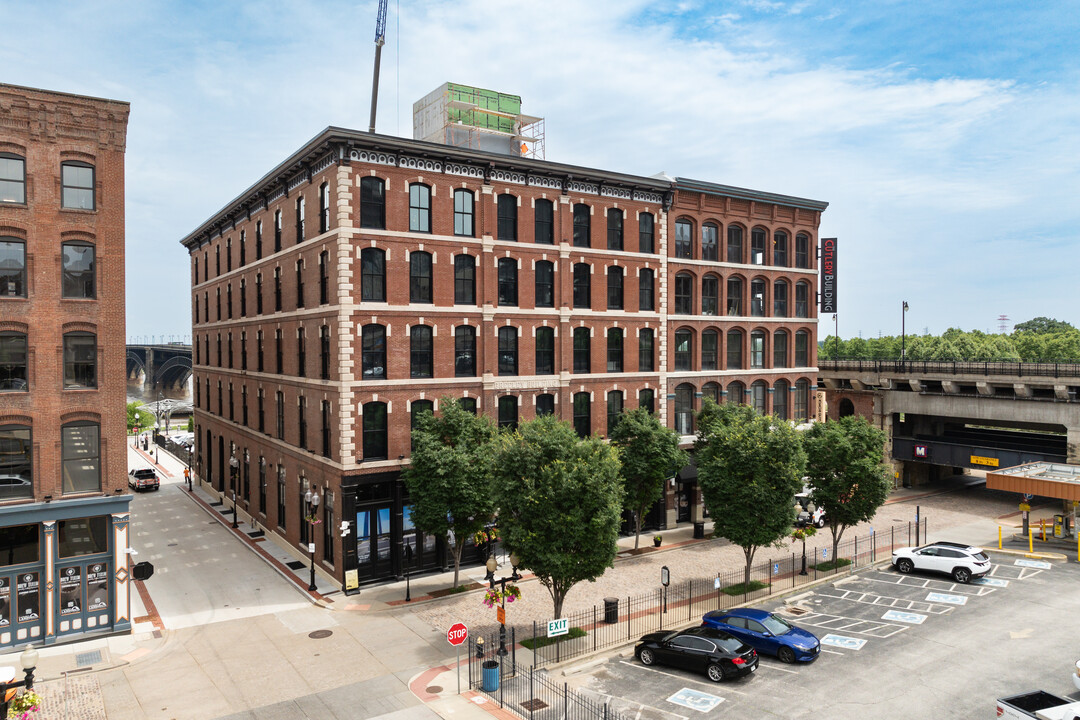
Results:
[71, 591]
[29, 597]
[5, 602]
[97, 586]
[828, 275]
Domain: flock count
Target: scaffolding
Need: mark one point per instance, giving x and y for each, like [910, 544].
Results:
[470, 117]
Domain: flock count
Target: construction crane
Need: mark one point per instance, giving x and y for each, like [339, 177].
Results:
[380, 40]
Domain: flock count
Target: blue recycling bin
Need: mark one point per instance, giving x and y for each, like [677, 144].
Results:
[491, 676]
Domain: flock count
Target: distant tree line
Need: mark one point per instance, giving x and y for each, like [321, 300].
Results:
[1038, 340]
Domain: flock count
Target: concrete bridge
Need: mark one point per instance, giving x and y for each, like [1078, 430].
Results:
[164, 367]
[943, 416]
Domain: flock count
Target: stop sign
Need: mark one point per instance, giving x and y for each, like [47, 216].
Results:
[457, 633]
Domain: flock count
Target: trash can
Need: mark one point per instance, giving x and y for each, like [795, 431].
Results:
[1059, 526]
[491, 675]
[699, 531]
[611, 610]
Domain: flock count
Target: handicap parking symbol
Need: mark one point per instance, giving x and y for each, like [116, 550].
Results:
[946, 598]
[776, 568]
[991, 582]
[843, 641]
[695, 700]
[824, 553]
[904, 617]
[1041, 564]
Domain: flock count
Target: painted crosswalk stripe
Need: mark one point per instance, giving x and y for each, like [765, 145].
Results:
[842, 641]
[905, 617]
[947, 598]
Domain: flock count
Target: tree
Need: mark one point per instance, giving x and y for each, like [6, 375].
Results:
[138, 417]
[844, 465]
[559, 498]
[449, 475]
[1042, 326]
[749, 469]
[650, 454]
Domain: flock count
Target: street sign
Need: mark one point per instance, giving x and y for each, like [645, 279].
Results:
[665, 576]
[558, 627]
[716, 583]
[824, 553]
[457, 634]
[501, 615]
[776, 568]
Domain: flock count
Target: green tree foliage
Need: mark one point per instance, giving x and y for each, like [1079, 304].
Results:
[749, 469]
[650, 454]
[559, 499]
[844, 465]
[449, 475]
[1038, 340]
[138, 417]
[1042, 326]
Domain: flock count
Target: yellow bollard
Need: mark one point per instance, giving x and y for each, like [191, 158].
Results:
[1078, 547]
[999, 537]
[1031, 539]
[1043, 524]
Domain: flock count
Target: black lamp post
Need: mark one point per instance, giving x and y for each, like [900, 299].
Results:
[28, 659]
[492, 565]
[312, 501]
[903, 337]
[234, 469]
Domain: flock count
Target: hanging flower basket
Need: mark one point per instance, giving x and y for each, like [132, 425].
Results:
[488, 535]
[494, 596]
[24, 706]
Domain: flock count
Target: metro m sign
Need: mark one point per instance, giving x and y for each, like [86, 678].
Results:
[828, 275]
[457, 634]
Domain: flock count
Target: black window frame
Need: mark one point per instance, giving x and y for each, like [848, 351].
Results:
[464, 351]
[301, 212]
[780, 298]
[373, 352]
[324, 207]
[464, 213]
[733, 351]
[710, 349]
[758, 345]
[780, 248]
[374, 426]
[646, 290]
[684, 294]
[582, 409]
[802, 250]
[734, 296]
[615, 342]
[16, 182]
[421, 351]
[582, 342]
[508, 350]
[507, 282]
[324, 278]
[545, 404]
[646, 398]
[507, 217]
[71, 279]
[615, 288]
[76, 367]
[545, 351]
[614, 409]
[615, 221]
[683, 408]
[508, 411]
[801, 356]
[683, 348]
[66, 186]
[582, 225]
[13, 281]
[684, 239]
[84, 458]
[646, 350]
[735, 249]
[372, 275]
[14, 361]
[780, 349]
[372, 203]
[710, 241]
[419, 208]
[582, 285]
[647, 233]
[544, 280]
[759, 241]
[544, 222]
[464, 280]
[802, 304]
[758, 290]
[710, 295]
[421, 288]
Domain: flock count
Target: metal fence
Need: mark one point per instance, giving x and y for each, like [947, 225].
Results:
[957, 367]
[622, 620]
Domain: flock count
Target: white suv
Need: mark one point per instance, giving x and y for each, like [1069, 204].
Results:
[961, 561]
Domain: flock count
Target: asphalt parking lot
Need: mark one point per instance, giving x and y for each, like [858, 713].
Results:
[893, 646]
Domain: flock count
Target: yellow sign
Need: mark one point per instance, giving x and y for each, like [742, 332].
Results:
[977, 460]
[501, 615]
[1024, 507]
[352, 579]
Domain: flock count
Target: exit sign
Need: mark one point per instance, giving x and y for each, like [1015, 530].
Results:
[558, 627]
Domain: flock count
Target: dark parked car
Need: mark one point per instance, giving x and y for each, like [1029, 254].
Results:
[714, 652]
[767, 633]
[143, 479]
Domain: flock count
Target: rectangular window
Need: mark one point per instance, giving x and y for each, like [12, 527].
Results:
[646, 294]
[301, 353]
[16, 454]
[614, 229]
[301, 421]
[419, 208]
[78, 271]
[757, 350]
[324, 280]
[299, 283]
[328, 528]
[582, 221]
[646, 400]
[709, 349]
[614, 410]
[13, 368]
[545, 351]
[645, 351]
[614, 351]
[463, 213]
[280, 415]
[545, 284]
[243, 248]
[464, 280]
[261, 408]
[12, 179]
[646, 233]
[325, 428]
[77, 186]
[279, 351]
[372, 203]
[81, 450]
[420, 277]
[258, 240]
[465, 351]
[80, 361]
[20, 544]
[780, 349]
[12, 268]
[324, 352]
[582, 350]
[281, 497]
[802, 349]
[544, 230]
[615, 288]
[507, 218]
[84, 536]
[508, 282]
[508, 347]
[324, 207]
[277, 230]
[684, 241]
[259, 350]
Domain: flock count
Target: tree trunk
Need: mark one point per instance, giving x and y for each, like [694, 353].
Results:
[558, 595]
[637, 526]
[458, 547]
[749, 552]
[837, 533]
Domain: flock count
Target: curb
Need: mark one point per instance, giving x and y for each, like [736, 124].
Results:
[1038, 555]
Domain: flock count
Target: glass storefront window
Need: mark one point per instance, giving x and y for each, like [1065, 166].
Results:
[19, 544]
[85, 536]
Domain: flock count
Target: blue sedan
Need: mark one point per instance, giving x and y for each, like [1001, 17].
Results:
[767, 633]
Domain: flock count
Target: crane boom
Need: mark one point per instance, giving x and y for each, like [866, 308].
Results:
[380, 40]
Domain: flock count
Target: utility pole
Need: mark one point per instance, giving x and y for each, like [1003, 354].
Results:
[380, 40]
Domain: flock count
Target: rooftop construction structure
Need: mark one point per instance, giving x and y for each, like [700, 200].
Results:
[478, 119]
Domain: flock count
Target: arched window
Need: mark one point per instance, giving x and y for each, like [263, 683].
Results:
[12, 178]
[372, 275]
[615, 288]
[646, 293]
[684, 239]
[419, 208]
[710, 347]
[646, 363]
[845, 408]
[299, 285]
[646, 233]
[77, 185]
[545, 404]
[710, 295]
[372, 203]
[757, 396]
[780, 248]
[711, 390]
[646, 398]
[243, 297]
[416, 411]
[465, 351]
[684, 294]
[228, 300]
[734, 296]
[582, 279]
[464, 280]
[802, 348]
[258, 298]
[508, 282]
[375, 431]
[802, 299]
[80, 448]
[614, 410]
[80, 360]
[508, 351]
[508, 412]
[614, 350]
[781, 390]
[373, 352]
[13, 267]
[802, 250]
[508, 212]
[614, 229]
[545, 351]
[582, 412]
[468, 404]
[684, 349]
[324, 352]
[582, 354]
[780, 349]
[736, 393]
[757, 349]
[421, 354]
[582, 222]
[545, 283]
[324, 278]
[544, 223]
[324, 213]
[780, 298]
[684, 409]
[802, 400]
[710, 241]
[463, 213]
[758, 238]
[757, 297]
[734, 350]
[78, 270]
[735, 244]
[13, 368]
[277, 233]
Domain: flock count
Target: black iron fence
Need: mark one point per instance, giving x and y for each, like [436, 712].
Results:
[622, 620]
[956, 367]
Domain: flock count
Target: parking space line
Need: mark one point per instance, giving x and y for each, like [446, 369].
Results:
[831, 652]
[1013, 572]
[678, 677]
[943, 586]
[899, 603]
[774, 667]
[873, 628]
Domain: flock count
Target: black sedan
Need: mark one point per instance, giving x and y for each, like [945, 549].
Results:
[702, 649]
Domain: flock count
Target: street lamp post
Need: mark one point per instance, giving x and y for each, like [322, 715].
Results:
[408, 567]
[903, 337]
[28, 659]
[234, 469]
[312, 501]
[492, 565]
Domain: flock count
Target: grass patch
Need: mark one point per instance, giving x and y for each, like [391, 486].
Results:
[575, 632]
[455, 590]
[742, 588]
[833, 564]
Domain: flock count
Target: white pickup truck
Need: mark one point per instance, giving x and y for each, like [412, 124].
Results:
[1038, 704]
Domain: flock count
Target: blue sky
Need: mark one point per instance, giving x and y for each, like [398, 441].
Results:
[945, 135]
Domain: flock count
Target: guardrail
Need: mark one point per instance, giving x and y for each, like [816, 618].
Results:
[955, 367]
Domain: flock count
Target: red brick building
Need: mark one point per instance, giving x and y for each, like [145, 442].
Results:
[366, 277]
[63, 463]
